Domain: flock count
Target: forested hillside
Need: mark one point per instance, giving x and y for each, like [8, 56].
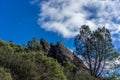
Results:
[39, 60]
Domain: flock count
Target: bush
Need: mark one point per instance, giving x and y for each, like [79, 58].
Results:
[4, 75]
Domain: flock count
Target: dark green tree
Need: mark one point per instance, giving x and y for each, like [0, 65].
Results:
[95, 47]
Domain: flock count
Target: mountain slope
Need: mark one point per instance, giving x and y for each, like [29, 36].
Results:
[41, 61]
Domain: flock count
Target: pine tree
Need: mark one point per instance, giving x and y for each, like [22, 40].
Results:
[95, 47]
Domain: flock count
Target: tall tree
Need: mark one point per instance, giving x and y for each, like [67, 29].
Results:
[95, 47]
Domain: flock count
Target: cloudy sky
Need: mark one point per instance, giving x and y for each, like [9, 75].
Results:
[57, 20]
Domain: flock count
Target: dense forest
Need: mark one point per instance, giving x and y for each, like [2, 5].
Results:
[39, 60]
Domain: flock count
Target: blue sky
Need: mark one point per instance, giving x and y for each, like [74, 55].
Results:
[56, 20]
[18, 22]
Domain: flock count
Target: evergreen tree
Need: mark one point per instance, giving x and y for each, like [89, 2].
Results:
[95, 47]
[34, 44]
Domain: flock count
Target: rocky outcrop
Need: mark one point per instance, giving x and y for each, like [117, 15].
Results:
[45, 46]
[64, 52]
[60, 53]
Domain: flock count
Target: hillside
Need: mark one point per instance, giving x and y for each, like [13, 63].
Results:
[39, 60]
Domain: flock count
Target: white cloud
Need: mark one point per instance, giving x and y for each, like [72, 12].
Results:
[66, 16]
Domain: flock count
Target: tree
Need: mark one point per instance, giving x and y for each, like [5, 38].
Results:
[34, 44]
[95, 47]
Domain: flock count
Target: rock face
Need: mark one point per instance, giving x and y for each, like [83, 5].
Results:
[60, 52]
[45, 46]
[65, 53]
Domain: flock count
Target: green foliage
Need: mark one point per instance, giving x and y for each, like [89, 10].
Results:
[34, 44]
[52, 67]
[75, 73]
[69, 66]
[30, 63]
[33, 65]
[4, 75]
[16, 48]
[6, 46]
